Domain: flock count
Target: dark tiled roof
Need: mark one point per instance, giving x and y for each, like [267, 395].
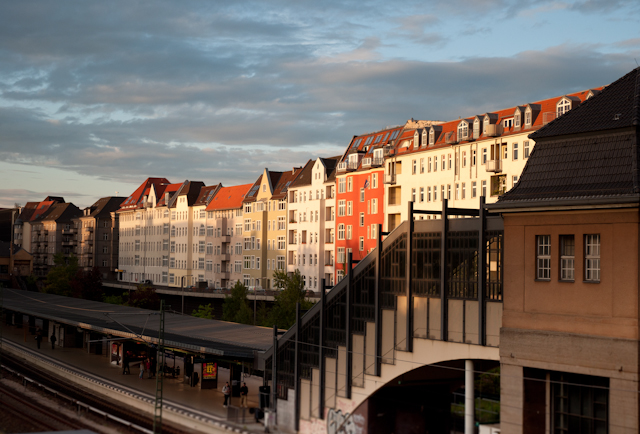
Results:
[585, 154]
[617, 106]
[304, 178]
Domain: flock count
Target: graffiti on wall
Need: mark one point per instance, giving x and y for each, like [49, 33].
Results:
[347, 423]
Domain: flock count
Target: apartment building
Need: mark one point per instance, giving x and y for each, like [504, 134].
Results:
[311, 223]
[199, 230]
[32, 212]
[47, 233]
[224, 236]
[143, 220]
[464, 159]
[569, 341]
[184, 268]
[360, 195]
[94, 236]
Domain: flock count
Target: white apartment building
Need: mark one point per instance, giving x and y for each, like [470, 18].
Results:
[311, 223]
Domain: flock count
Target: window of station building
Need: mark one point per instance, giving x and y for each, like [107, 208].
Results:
[543, 257]
[580, 403]
[567, 257]
[592, 258]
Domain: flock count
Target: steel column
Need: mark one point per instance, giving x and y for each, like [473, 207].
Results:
[444, 308]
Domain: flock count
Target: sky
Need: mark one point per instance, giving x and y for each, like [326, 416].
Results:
[97, 96]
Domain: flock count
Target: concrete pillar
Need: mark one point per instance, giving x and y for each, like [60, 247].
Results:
[469, 402]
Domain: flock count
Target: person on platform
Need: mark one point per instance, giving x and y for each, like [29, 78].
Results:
[226, 391]
[141, 376]
[38, 337]
[147, 367]
[125, 364]
[53, 340]
[244, 390]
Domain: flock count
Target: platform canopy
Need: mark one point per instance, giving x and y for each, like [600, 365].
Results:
[183, 332]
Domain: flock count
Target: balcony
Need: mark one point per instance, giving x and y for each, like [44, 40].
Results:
[89, 228]
[225, 275]
[353, 164]
[494, 166]
[387, 150]
[377, 161]
[329, 240]
[366, 162]
[390, 178]
[225, 238]
[493, 130]
[451, 138]
[68, 231]
[225, 257]
[68, 242]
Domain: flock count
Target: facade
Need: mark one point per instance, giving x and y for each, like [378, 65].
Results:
[360, 195]
[183, 260]
[51, 233]
[311, 223]
[199, 230]
[95, 236]
[224, 241]
[569, 341]
[143, 220]
[464, 159]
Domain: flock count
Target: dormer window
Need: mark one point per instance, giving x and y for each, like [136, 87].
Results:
[486, 122]
[507, 123]
[516, 119]
[564, 105]
[432, 136]
[424, 138]
[527, 118]
[378, 138]
[463, 130]
[476, 128]
[416, 139]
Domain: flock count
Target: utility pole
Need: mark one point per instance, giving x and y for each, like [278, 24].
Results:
[157, 414]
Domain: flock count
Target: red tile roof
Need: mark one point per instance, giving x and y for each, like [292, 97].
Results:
[135, 199]
[206, 194]
[229, 197]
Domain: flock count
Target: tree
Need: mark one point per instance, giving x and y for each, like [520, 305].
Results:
[236, 307]
[114, 299]
[144, 297]
[283, 313]
[88, 284]
[204, 312]
[60, 276]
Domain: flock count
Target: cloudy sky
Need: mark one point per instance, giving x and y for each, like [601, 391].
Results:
[97, 96]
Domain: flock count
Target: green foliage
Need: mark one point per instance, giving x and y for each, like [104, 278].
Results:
[88, 285]
[114, 299]
[283, 313]
[144, 297]
[204, 312]
[61, 274]
[236, 307]
[32, 282]
[488, 383]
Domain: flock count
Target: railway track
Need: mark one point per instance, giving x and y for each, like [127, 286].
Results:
[20, 413]
[83, 400]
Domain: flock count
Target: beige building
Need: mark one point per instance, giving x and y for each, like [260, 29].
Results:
[569, 342]
[464, 159]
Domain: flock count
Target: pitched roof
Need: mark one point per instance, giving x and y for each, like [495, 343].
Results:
[105, 205]
[304, 178]
[206, 194]
[63, 212]
[284, 181]
[581, 157]
[616, 106]
[191, 189]
[330, 165]
[162, 191]
[229, 197]
[135, 199]
[251, 195]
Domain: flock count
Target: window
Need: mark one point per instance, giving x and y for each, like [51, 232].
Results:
[457, 191]
[515, 181]
[341, 208]
[463, 130]
[484, 155]
[516, 119]
[527, 118]
[341, 257]
[526, 149]
[374, 180]
[349, 232]
[435, 193]
[342, 183]
[464, 158]
[567, 256]
[361, 245]
[473, 157]
[505, 152]
[281, 243]
[280, 262]
[428, 194]
[476, 128]
[349, 208]
[413, 195]
[435, 163]
[580, 403]
[362, 195]
[350, 184]
[543, 257]
[508, 123]
[414, 166]
[592, 258]
[515, 151]
[361, 219]
[374, 206]
[443, 165]
[564, 105]
[422, 165]
[432, 136]
[421, 194]
[484, 188]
